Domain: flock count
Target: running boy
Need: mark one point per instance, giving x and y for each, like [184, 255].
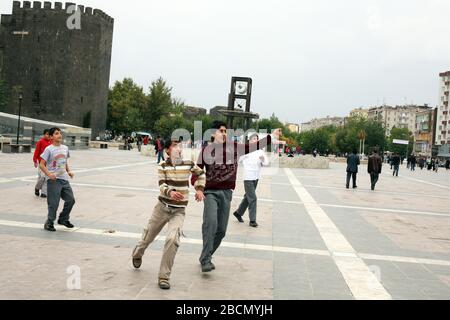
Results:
[173, 175]
[56, 168]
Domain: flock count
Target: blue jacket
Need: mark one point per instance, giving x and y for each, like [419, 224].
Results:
[352, 162]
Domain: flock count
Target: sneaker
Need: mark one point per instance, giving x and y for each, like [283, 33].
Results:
[137, 262]
[36, 192]
[354, 187]
[49, 227]
[67, 224]
[238, 216]
[253, 224]
[43, 196]
[207, 267]
[164, 284]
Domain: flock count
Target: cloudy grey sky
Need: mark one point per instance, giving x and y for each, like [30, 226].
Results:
[307, 58]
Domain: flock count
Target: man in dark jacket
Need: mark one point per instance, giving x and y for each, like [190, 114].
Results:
[396, 163]
[352, 168]
[220, 159]
[374, 167]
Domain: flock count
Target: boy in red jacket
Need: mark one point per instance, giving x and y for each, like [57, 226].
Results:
[40, 147]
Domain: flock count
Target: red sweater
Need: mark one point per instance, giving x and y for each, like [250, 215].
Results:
[221, 169]
[40, 147]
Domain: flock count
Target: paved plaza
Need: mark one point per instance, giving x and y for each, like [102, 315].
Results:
[315, 240]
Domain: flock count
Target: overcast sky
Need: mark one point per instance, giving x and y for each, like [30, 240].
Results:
[307, 58]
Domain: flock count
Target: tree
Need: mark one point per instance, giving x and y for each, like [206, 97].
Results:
[401, 134]
[267, 124]
[347, 136]
[165, 126]
[126, 105]
[323, 139]
[160, 103]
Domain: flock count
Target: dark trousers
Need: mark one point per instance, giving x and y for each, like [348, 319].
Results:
[395, 172]
[353, 176]
[160, 155]
[59, 189]
[373, 180]
[215, 221]
[250, 199]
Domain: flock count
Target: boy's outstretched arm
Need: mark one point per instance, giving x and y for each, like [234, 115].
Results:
[199, 181]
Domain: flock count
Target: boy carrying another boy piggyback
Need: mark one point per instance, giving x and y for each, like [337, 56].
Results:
[173, 174]
[55, 166]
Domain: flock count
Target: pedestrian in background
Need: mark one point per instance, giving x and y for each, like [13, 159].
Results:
[352, 168]
[374, 168]
[42, 144]
[396, 164]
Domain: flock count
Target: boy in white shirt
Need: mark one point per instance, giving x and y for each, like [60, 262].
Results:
[252, 172]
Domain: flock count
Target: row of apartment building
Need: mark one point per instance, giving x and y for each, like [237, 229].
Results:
[430, 126]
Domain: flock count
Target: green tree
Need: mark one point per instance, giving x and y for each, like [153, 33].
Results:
[323, 139]
[160, 103]
[126, 105]
[267, 124]
[165, 126]
[347, 136]
[401, 134]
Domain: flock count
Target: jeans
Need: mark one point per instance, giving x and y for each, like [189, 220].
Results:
[373, 179]
[57, 189]
[160, 155]
[162, 215]
[215, 221]
[250, 199]
[353, 176]
[395, 172]
[41, 184]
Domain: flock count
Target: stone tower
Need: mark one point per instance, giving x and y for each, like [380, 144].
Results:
[62, 69]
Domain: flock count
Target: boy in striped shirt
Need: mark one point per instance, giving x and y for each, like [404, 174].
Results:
[173, 174]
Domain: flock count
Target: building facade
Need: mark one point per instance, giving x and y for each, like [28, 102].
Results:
[30, 131]
[398, 116]
[190, 112]
[62, 70]
[442, 117]
[322, 122]
[292, 127]
[424, 131]
[360, 113]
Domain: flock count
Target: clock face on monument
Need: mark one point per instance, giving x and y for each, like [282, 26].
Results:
[241, 88]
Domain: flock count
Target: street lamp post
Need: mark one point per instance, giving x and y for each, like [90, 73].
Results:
[18, 121]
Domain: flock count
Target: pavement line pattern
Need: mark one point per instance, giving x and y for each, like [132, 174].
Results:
[386, 210]
[2, 180]
[389, 210]
[236, 245]
[397, 193]
[426, 182]
[361, 281]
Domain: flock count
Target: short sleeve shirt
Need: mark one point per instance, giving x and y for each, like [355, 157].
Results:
[56, 159]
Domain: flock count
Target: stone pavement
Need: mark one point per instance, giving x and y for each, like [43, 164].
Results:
[316, 239]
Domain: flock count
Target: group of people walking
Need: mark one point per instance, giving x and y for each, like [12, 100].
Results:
[373, 168]
[213, 177]
[375, 163]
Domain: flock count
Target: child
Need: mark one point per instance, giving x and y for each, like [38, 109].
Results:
[173, 175]
[54, 165]
[41, 184]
